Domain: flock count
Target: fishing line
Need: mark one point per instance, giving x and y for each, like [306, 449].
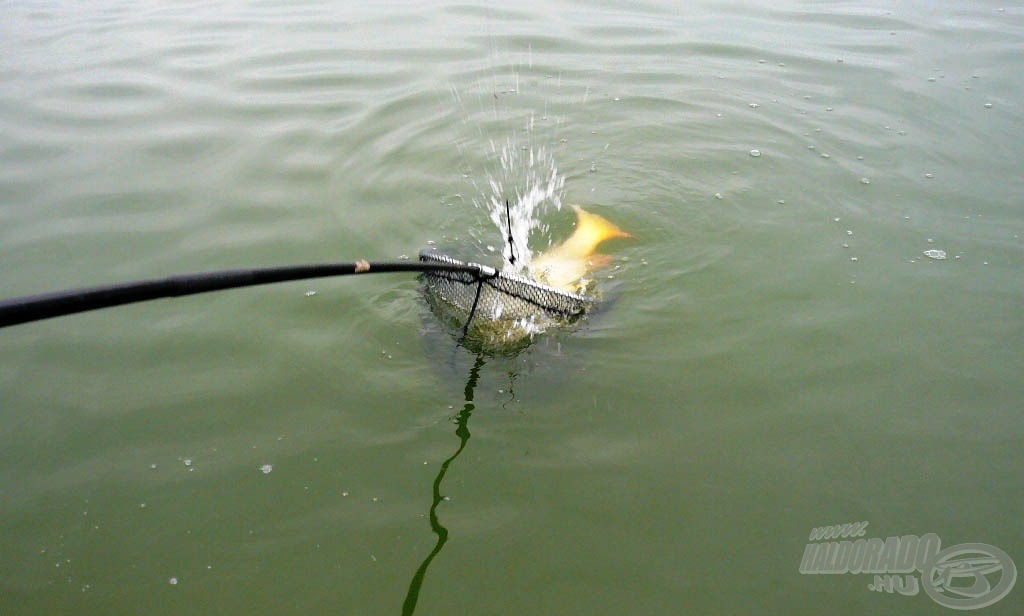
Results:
[511, 240]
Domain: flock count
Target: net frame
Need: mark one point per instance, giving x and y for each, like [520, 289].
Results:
[493, 295]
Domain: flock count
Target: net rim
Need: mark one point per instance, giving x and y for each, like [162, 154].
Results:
[489, 275]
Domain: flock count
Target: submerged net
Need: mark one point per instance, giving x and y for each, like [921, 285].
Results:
[496, 307]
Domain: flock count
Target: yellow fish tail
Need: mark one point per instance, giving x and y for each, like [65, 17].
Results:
[564, 265]
[591, 230]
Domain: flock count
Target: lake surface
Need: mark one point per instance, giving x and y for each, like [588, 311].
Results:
[778, 353]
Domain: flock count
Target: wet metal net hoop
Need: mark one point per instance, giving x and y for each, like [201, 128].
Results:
[494, 296]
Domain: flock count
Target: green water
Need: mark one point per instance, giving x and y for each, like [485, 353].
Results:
[778, 353]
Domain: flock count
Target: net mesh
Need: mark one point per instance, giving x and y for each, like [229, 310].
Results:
[501, 297]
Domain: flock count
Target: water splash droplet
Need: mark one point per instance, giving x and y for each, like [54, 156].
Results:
[266, 469]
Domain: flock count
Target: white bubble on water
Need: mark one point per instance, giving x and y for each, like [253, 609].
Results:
[755, 153]
[173, 581]
[266, 469]
[865, 181]
[938, 255]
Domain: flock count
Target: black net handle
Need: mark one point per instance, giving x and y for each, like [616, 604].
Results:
[39, 307]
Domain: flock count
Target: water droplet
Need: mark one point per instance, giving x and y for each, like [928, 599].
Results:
[938, 255]
[755, 153]
[929, 175]
[824, 155]
[344, 493]
[718, 195]
[754, 105]
[853, 258]
[310, 293]
[836, 219]
[267, 468]
[173, 581]
[988, 105]
[187, 461]
[142, 505]
[152, 466]
[865, 181]
[932, 79]
[849, 232]
[828, 109]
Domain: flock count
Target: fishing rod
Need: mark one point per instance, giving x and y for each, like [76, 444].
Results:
[38, 307]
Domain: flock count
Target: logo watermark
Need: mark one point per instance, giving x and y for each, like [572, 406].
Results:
[967, 576]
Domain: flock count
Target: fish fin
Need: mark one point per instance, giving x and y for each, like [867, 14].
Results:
[591, 230]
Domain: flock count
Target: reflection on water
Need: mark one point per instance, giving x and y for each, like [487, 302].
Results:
[462, 431]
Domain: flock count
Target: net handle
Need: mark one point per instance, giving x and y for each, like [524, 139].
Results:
[38, 307]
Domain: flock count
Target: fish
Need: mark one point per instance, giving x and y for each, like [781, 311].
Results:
[566, 265]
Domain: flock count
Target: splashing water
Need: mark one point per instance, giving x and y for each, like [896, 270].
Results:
[527, 179]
